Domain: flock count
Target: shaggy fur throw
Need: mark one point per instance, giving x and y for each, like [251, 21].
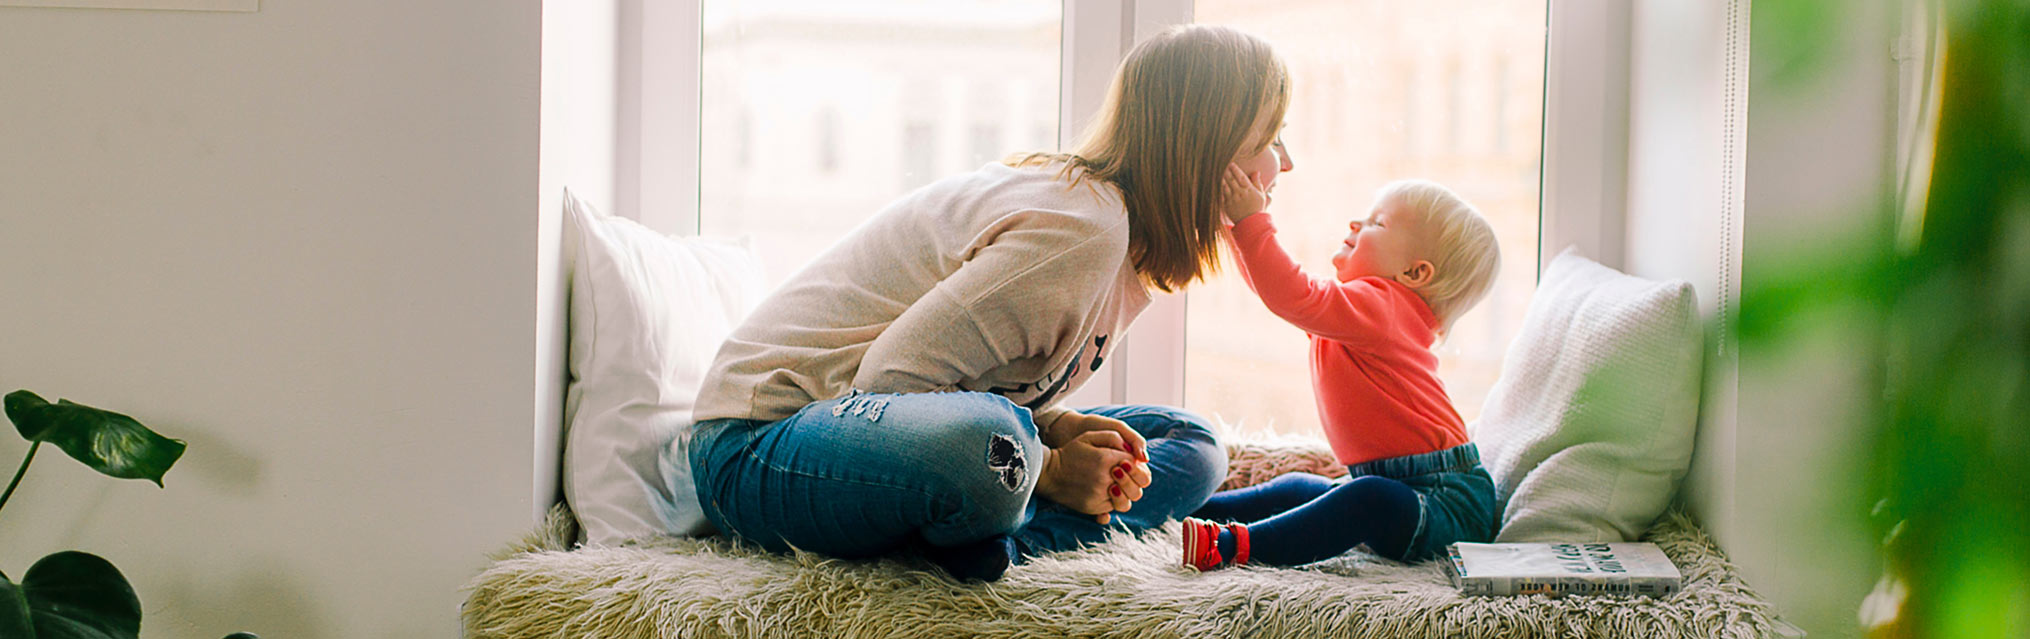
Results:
[1126, 587]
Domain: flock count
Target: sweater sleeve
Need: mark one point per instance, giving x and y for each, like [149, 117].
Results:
[1025, 285]
[1340, 311]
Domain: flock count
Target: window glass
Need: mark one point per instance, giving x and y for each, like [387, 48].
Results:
[1448, 90]
[817, 113]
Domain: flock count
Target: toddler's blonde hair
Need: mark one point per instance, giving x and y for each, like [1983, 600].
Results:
[1460, 246]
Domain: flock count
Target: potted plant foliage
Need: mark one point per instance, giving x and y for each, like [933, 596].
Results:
[72, 594]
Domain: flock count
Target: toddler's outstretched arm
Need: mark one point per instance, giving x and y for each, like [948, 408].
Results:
[1340, 311]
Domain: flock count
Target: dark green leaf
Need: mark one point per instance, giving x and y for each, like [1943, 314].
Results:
[108, 442]
[21, 405]
[14, 620]
[76, 595]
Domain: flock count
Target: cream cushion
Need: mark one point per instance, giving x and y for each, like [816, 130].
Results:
[647, 313]
[1589, 428]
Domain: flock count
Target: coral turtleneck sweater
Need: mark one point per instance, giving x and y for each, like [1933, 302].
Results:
[1372, 368]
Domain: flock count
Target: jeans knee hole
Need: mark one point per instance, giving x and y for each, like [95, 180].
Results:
[1004, 457]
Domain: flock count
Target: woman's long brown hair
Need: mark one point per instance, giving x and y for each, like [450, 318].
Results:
[1179, 109]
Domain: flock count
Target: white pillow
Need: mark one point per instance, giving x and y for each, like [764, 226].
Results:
[648, 312]
[1590, 427]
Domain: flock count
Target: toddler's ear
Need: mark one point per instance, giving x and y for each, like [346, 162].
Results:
[1417, 275]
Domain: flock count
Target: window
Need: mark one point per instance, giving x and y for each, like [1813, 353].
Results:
[743, 139]
[898, 93]
[817, 113]
[919, 154]
[986, 145]
[828, 141]
[1449, 91]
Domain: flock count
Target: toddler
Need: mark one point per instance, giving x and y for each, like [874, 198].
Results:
[1419, 260]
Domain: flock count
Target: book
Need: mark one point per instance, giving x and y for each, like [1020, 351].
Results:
[1562, 569]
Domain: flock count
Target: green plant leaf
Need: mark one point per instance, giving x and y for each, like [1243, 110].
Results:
[76, 595]
[108, 442]
[21, 407]
[14, 620]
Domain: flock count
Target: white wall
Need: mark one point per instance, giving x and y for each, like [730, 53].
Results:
[1679, 170]
[1687, 90]
[302, 239]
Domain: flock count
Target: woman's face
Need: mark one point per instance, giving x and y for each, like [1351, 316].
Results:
[1273, 159]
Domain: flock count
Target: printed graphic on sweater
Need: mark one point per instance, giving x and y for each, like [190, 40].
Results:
[1055, 382]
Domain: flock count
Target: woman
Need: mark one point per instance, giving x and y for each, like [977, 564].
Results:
[902, 390]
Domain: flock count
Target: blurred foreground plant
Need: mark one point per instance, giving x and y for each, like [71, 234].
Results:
[1944, 295]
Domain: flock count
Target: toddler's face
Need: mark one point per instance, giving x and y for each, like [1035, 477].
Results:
[1386, 244]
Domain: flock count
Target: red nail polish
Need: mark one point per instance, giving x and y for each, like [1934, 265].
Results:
[1118, 473]
[1116, 490]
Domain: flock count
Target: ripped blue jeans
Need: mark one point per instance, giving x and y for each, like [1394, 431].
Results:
[869, 475]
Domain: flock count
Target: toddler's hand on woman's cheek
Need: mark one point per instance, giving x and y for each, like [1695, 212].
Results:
[1240, 195]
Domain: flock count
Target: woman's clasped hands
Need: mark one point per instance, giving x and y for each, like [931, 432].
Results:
[1097, 465]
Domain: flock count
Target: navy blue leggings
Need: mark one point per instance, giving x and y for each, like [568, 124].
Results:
[1300, 518]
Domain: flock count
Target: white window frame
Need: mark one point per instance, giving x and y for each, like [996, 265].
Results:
[658, 119]
[1585, 145]
[1097, 36]
[1585, 152]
